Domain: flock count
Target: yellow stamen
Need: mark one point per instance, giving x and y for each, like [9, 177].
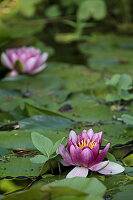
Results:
[92, 144]
[83, 144]
[88, 141]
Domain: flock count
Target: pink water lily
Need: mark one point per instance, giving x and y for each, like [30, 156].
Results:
[30, 59]
[83, 151]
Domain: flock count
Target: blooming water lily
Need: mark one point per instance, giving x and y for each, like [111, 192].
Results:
[27, 60]
[83, 151]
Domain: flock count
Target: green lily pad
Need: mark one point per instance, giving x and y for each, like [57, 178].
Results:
[128, 161]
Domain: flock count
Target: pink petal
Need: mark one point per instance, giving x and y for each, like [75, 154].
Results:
[100, 135]
[87, 157]
[14, 57]
[84, 131]
[84, 135]
[41, 60]
[95, 138]
[102, 154]
[30, 64]
[69, 145]
[111, 169]
[13, 73]
[78, 155]
[99, 166]
[79, 138]
[73, 137]
[73, 154]
[78, 171]
[23, 57]
[63, 152]
[95, 150]
[5, 61]
[39, 69]
[90, 133]
[43, 57]
[64, 163]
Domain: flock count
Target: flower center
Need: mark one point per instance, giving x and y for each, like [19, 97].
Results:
[83, 144]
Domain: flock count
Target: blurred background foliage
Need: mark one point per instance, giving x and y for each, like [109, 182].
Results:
[55, 22]
[76, 18]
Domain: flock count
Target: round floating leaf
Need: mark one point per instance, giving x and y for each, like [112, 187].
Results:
[127, 118]
[87, 185]
[18, 167]
[62, 190]
[45, 122]
[128, 161]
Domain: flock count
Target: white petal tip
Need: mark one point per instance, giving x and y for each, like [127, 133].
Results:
[78, 172]
[112, 169]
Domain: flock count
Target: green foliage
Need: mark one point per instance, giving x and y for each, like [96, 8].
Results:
[120, 185]
[53, 11]
[111, 157]
[27, 8]
[127, 118]
[120, 84]
[39, 159]
[25, 29]
[45, 146]
[8, 8]
[82, 184]
[83, 11]
[66, 37]
[4, 33]
[76, 188]
[45, 122]
[129, 171]
[128, 161]
[42, 143]
[95, 9]
[23, 167]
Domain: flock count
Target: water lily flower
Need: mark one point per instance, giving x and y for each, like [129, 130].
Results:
[83, 151]
[27, 60]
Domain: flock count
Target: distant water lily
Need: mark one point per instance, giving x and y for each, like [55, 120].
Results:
[83, 151]
[27, 60]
